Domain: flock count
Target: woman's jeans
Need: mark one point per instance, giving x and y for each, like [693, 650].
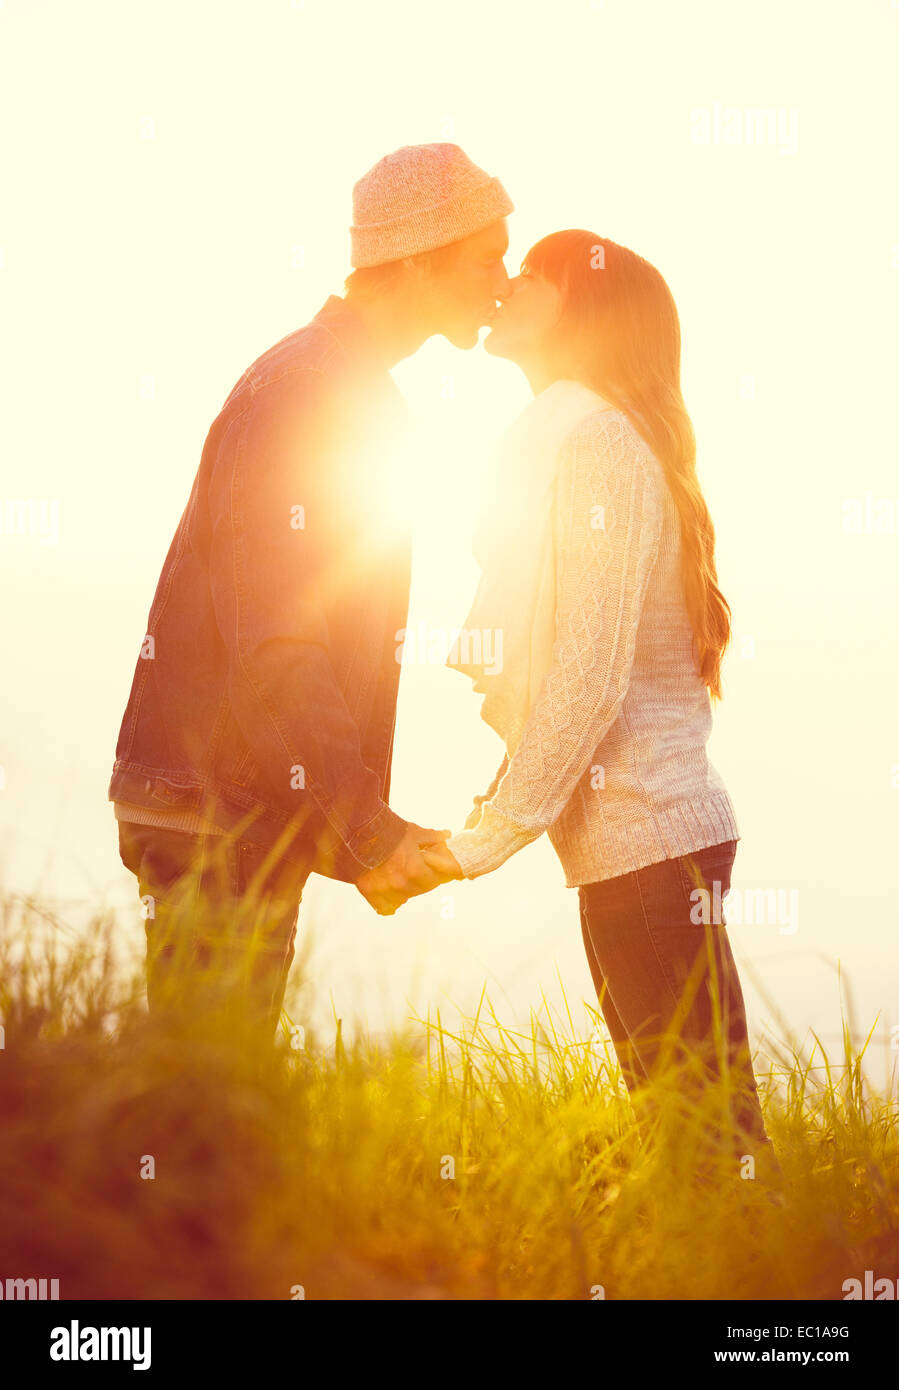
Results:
[667, 984]
[220, 918]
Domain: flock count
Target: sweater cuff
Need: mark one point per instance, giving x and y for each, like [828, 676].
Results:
[491, 843]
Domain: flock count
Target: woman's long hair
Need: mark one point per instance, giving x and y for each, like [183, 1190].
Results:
[619, 333]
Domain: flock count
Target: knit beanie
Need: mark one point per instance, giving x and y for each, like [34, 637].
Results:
[418, 198]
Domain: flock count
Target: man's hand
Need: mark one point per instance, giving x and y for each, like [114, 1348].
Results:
[443, 861]
[405, 873]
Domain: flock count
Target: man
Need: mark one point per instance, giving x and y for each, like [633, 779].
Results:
[257, 742]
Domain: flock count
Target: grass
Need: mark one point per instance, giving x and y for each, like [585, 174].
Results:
[458, 1160]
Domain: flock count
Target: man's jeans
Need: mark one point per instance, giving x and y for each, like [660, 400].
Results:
[220, 922]
[667, 985]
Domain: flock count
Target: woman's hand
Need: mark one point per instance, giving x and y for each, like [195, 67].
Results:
[442, 861]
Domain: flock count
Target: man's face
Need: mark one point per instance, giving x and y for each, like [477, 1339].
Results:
[465, 290]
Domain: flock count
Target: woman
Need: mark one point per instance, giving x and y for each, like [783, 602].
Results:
[599, 594]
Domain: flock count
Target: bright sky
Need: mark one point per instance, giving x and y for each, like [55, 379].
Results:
[177, 183]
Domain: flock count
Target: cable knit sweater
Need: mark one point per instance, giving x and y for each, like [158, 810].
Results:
[612, 763]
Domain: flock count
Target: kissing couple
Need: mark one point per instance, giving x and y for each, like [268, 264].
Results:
[256, 745]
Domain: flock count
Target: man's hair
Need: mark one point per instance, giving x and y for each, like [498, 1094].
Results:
[373, 281]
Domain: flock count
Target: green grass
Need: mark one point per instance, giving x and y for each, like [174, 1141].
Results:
[327, 1167]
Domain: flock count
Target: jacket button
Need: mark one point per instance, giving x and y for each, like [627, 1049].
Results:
[147, 785]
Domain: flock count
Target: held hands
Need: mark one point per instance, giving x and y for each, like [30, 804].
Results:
[419, 863]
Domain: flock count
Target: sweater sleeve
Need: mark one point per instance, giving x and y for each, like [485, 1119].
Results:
[474, 814]
[608, 519]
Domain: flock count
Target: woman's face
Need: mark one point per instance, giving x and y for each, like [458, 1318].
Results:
[529, 309]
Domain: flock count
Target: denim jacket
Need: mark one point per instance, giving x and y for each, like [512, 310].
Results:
[264, 695]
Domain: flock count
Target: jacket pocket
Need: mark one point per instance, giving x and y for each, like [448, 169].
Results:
[172, 793]
[243, 769]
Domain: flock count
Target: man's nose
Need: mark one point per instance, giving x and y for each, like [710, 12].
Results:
[503, 284]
